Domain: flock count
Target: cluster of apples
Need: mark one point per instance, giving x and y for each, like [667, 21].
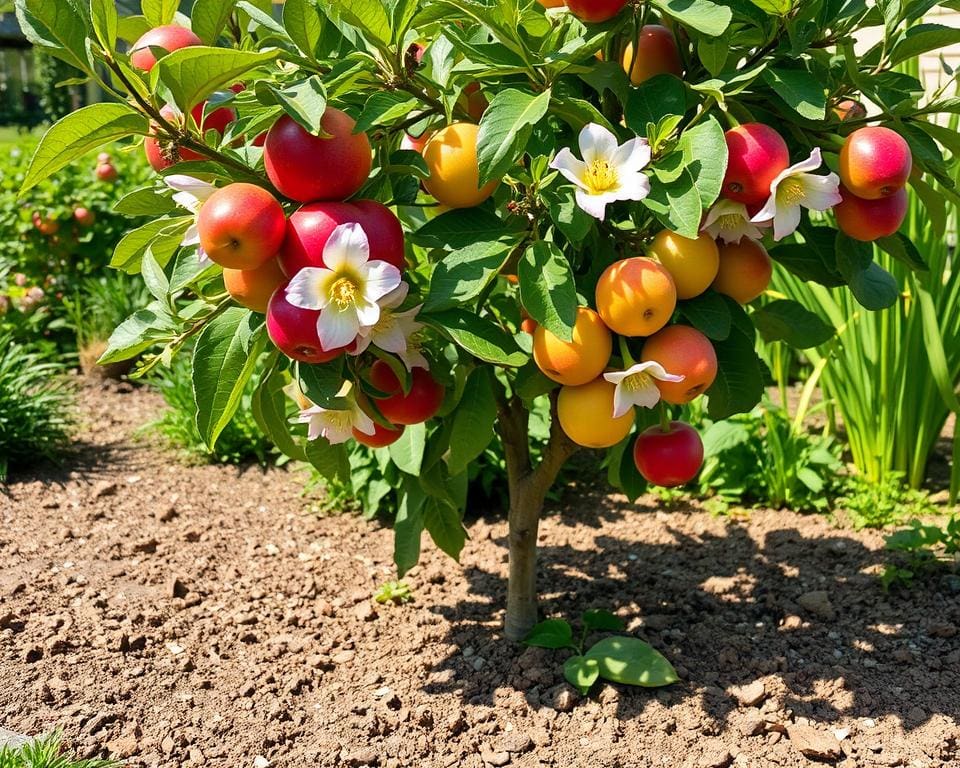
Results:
[244, 228]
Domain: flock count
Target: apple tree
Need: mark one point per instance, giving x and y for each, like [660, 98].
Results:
[415, 222]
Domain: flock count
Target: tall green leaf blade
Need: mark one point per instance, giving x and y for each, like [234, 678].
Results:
[331, 461]
[78, 133]
[369, 16]
[505, 129]
[223, 361]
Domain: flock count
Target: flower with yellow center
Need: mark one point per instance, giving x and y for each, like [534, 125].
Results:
[191, 193]
[395, 331]
[797, 188]
[347, 291]
[334, 425]
[638, 386]
[729, 221]
[608, 172]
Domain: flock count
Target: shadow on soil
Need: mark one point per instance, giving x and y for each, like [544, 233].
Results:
[723, 609]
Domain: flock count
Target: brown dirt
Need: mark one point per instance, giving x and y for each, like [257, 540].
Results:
[188, 616]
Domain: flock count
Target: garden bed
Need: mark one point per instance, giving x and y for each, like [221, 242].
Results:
[203, 616]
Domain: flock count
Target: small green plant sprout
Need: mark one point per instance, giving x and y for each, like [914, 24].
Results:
[47, 752]
[618, 659]
[925, 548]
[887, 502]
[396, 592]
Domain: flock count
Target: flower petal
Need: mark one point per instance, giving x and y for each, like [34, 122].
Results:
[396, 297]
[336, 328]
[367, 313]
[570, 168]
[381, 278]
[622, 401]
[634, 186]
[189, 185]
[768, 212]
[595, 205]
[647, 397]
[391, 339]
[363, 423]
[615, 377]
[191, 236]
[810, 164]
[347, 248]
[596, 142]
[309, 288]
[820, 193]
[632, 156]
[786, 221]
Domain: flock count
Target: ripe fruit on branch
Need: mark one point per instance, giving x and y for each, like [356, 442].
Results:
[381, 437]
[657, 54]
[686, 352]
[106, 172]
[451, 158]
[252, 288]
[218, 120]
[84, 217]
[309, 228]
[421, 403]
[848, 109]
[474, 102]
[241, 226]
[294, 330]
[306, 168]
[868, 220]
[595, 11]
[745, 270]
[875, 162]
[46, 225]
[551, 3]
[586, 415]
[170, 37]
[104, 157]
[415, 143]
[756, 155]
[668, 457]
[580, 360]
[636, 296]
[692, 264]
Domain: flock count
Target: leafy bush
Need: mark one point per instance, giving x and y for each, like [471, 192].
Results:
[925, 549]
[47, 752]
[35, 406]
[240, 442]
[873, 504]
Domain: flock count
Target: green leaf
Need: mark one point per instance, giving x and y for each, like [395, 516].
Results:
[709, 313]
[463, 274]
[550, 633]
[505, 128]
[653, 100]
[161, 236]
[159, 12]
[331, 461]
[407, 451]
[154, 277]
[786, 320]
[633, 662]
[903, 249]
[301, 19]
[802, 91]
[473, 421]
[677, 204]
[223, 361]
[408, 528]
[547, 288]
[922, 38]
[305, 101]
[872, 286]
[443, 523]
[103, 15]
[701, 15]
[570, 218]
[478, 336]
[269, 408]
[385, 107]
[77, 134]
[460, 228]
[139, 332]
[581, 673]
[321, 382]
[58, 27]
[369, 16]
[713, 53]
[739, 383]
[705, 155]
[815, 259]
[193, 73]
[145, 201]
[209, 17]
[774, 7]
[598, 620]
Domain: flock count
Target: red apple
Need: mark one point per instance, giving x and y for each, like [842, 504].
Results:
[421, 403]
[84, 217]
[306, 168]
[756, 155]
[875, 162]
[868, 220]
[241, 226]
[668, 458]
[381, 436]
[106, 172]
[170, 37]
[218, 120]
[595, 11]
[294, 330]
[657, 54]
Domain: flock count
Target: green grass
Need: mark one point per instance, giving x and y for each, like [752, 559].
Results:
[45, 752]
[11, 136]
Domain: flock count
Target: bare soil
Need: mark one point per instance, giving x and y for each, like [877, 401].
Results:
[204, 616]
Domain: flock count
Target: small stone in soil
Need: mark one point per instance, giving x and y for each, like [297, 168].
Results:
[818, 603]
[813, 743]
[749, 695]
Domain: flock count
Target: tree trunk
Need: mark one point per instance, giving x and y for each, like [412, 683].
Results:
[528, 490]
